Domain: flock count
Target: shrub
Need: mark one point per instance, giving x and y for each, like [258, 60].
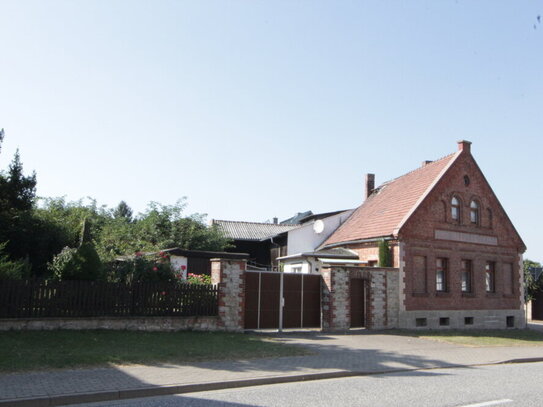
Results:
[10, 269]
[82, 263]
[384, 254]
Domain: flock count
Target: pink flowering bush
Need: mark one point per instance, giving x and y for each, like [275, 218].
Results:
[152, 268]
[198, 278]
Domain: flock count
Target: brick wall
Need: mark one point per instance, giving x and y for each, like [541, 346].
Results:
[382, 296]
[230, 277]
[431, 233]
[335, 298]
[370, 251]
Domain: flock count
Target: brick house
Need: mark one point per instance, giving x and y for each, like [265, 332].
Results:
[458, 254]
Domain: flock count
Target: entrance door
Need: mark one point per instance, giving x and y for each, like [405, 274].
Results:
[358, 302]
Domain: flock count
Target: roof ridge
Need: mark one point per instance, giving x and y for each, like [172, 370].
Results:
[414, 170]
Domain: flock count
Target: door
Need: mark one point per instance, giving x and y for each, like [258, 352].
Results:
[358, 303]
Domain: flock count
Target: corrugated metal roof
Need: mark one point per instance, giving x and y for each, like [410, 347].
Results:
[250, 230]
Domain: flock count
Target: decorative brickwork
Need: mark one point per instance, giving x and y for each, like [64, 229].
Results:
[229, 275]
[336, 304]
[458, 254]
[382, 301]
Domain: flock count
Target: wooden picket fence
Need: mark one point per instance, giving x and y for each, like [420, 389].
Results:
[43, 299]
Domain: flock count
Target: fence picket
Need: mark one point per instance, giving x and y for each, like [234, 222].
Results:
[42, 298]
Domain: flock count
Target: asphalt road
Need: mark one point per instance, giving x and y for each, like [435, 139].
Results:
[497, 385]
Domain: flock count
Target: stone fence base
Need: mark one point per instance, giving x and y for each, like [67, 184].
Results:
[165, 324]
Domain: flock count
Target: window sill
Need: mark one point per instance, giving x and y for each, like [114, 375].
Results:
[468, 295]
[419, 294]
[443, 294]
[492, 295]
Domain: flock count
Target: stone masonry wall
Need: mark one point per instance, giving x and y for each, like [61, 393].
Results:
[126, 323]
[230, 277]
[382, 302]
[336, 300]
[378, 299]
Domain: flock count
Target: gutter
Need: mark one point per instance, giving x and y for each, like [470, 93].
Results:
[373, 239]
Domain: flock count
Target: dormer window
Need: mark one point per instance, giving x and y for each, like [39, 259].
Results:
[474, 212]
[455, 209]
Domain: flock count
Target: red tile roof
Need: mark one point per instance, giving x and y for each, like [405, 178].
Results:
[386, 209]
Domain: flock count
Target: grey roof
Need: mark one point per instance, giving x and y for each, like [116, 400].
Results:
[296, 218]
[250, 230]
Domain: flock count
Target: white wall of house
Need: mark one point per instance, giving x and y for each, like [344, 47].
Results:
[298, 267]
[305, 239]
[306, 265]
[176, 262]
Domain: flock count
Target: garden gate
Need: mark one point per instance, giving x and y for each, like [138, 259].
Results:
[275, 300]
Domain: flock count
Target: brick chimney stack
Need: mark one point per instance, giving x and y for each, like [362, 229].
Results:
[464, 145]
[370, 184]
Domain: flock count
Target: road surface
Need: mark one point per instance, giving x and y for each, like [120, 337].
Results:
[496, 385]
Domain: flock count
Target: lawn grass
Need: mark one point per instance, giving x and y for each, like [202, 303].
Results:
[478, 338]
[36, 350]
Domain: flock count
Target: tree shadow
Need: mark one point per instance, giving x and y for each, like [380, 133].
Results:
[350, 354]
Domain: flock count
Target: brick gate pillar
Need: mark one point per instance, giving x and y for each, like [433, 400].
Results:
[230, 277]
[336, 305]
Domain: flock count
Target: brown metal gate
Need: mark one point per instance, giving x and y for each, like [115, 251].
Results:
[358, 303]
[301, 300]
[537, 307]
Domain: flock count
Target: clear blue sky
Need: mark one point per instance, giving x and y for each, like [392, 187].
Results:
[256, 109]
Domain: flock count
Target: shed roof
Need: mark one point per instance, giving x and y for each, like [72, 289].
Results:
[252, 231]
[335, 253]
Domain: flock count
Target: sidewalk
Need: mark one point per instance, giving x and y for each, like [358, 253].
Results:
[335, 355]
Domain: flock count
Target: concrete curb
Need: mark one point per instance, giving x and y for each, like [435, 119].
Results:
[153, 391]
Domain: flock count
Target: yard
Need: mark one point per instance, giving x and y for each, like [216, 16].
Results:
[497, 337]
[33, 350]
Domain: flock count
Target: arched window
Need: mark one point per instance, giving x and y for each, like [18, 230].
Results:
[489, 212]
[474, 212]
[455, 209]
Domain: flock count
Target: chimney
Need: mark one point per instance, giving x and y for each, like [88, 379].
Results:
[464, 145]
[370, 184]
[275, 220]
[426, 162]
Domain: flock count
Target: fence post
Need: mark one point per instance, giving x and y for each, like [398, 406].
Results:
[229, 275]
[335, 298]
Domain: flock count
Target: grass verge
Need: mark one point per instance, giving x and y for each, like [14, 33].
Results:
[36, 350]
[478, 338]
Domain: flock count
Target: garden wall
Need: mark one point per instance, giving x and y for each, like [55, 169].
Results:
[166, 324]
[220, 308]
